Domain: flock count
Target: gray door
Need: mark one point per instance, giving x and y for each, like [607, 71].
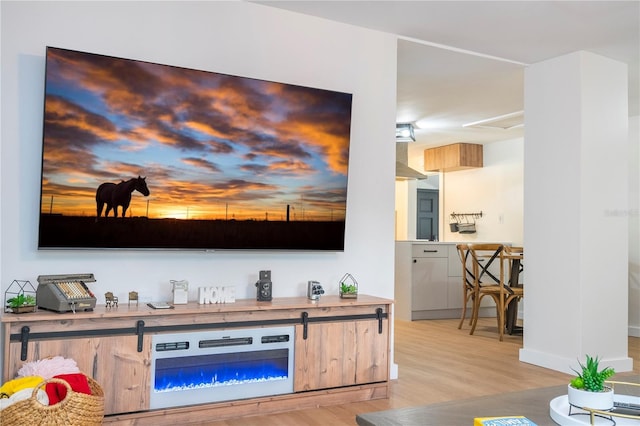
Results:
[427, 221]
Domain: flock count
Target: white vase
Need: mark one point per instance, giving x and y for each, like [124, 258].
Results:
[586, 399]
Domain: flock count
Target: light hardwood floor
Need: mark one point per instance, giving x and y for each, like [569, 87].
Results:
[437, 363]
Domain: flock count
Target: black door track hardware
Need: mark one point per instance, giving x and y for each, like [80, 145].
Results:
[139, 330]
[379, 315]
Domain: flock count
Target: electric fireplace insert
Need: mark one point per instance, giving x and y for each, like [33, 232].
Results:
[221, 365]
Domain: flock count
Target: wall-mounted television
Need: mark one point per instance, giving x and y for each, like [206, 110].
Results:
[140, 155]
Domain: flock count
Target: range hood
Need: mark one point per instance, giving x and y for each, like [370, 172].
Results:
[403, 171]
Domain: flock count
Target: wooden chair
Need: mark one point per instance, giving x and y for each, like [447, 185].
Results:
[468, 283]
[492, 284]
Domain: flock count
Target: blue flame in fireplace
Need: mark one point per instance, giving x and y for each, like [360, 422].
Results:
[205, 371]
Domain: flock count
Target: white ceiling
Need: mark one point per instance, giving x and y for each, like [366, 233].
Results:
[463, 61]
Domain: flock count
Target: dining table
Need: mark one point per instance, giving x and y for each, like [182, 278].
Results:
[516, 267]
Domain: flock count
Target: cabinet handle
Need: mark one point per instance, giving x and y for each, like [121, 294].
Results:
[140, 333]
[429, 251]
[305, 324]
[24, 338]
[379, 317]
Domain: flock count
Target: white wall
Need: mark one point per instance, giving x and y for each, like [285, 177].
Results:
[634, 226]
[496, 190]
[405, 194]
[231, 37]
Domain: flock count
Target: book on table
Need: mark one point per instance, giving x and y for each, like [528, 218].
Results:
[503, 421]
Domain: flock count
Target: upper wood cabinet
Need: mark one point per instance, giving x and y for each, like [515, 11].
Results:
[449, 158]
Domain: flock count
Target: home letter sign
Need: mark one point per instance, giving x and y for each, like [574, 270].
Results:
[219, 294]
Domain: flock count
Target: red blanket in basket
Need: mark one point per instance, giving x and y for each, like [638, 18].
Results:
[57, 392]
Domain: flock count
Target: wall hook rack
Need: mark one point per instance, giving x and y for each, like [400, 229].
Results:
[459, 216]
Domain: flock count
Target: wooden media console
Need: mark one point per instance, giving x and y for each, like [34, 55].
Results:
[341, 351]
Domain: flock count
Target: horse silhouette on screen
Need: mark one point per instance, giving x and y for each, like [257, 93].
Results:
[114, 195]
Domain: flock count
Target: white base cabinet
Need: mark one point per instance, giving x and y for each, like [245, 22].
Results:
[429, 277]
[428, 282]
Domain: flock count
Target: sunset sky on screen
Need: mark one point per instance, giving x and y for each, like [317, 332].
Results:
[211, 146]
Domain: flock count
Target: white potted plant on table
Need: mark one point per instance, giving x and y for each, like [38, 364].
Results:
[588, 390]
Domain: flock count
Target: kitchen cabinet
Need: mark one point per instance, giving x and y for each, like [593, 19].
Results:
[450, 158]
[428, 282]
[429, 277]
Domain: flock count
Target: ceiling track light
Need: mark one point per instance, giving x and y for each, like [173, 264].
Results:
[405, 133]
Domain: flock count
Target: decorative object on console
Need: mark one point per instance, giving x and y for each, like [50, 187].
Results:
[348, 287]
[264, 287]
[588, 388]
[20, 297]
[110, 300]
[223, 155]
[314, 290]
[133, 296]
[159, 305]
[180, 291]
[219, 294]
[65, 293]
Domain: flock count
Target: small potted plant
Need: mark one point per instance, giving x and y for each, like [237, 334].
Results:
[22, 303]
[348, 287]
[20, 297]
[588, 390]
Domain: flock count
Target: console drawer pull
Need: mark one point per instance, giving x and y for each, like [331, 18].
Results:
[140, 333]
[24, 338]
[305, 325]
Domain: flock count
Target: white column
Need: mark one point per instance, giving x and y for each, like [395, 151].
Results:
[575, 186]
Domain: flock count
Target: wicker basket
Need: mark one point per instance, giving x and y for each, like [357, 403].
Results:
[76, 409]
